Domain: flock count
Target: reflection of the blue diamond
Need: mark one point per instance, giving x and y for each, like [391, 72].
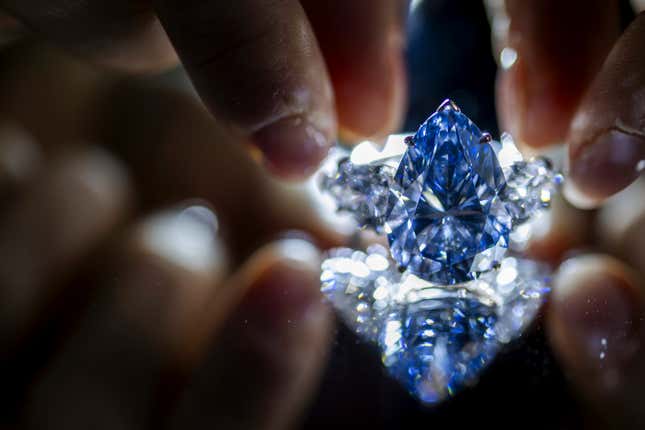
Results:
[434, 339]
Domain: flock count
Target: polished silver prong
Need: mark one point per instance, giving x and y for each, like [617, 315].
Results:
[409, 141]
[486, 138]
[448, 104]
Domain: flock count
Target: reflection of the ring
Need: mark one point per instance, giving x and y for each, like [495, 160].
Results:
[433, 338]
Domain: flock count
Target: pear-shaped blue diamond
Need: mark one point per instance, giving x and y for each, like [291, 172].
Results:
[445, 220]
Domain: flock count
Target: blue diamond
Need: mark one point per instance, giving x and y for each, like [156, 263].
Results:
[445, 220]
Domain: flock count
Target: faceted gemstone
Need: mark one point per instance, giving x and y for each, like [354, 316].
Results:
[445, 221]
[361, 190]
[434, 339]
[530, 186]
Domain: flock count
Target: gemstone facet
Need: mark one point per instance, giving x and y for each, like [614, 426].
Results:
[446, 222]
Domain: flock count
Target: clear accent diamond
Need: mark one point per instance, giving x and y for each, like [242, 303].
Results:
[359, 288]
[434, 339]
[530, 186]
[361, 189]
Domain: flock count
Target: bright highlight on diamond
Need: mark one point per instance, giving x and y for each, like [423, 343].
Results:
[456, 207]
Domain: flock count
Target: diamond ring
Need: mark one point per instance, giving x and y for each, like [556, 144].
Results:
[457, 208]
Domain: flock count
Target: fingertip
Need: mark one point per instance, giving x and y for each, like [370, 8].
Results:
[257, 66]
[524, 111]
[579, 275]
[363, 42]
[606, 138]
[603, 166]
[620, 225]
[285, 296]
[542, 83]
[577, 197]
[187, 238]
[294, 146]
[372, 104]
[297, 253]
[595, 326]
[263, 367]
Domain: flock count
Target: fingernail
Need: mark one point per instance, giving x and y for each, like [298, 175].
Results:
[607, 164]
[186, 237]
[597, 309]
[578, 198]
[294, 146]
[299, 252]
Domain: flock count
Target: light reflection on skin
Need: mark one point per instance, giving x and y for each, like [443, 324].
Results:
[300, 251]
[507, 58]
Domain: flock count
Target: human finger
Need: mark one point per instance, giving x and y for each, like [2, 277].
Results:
[175, 151]
[595, 321]
[620, 225]
[362, 43]
[263, 364]
[121, 33]
[549, 52]
[257, 65]
[49, 228]
[148, 296]
[607, 136]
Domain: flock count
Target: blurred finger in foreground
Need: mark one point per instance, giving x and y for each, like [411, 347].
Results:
[362, 42]
[549, 52]
[138, 326]
[595, 323]
[51, 227]
[607, 137]
[264, 363]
